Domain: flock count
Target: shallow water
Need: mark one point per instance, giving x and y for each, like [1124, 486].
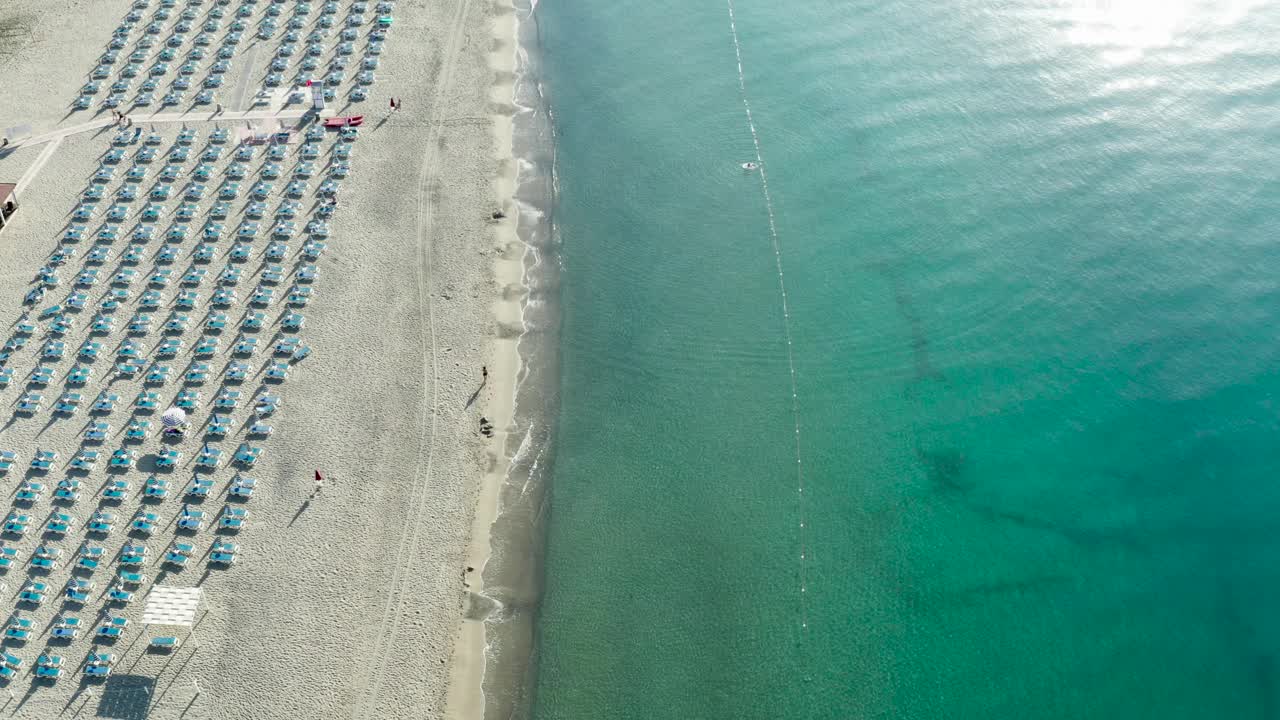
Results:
[1029, 250]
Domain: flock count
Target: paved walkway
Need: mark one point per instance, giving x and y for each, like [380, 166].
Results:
[54, 138]
[36, 166]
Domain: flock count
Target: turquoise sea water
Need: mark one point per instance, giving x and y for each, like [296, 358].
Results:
[1031, 249]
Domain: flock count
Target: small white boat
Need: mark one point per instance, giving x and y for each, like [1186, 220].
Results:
[749, 166]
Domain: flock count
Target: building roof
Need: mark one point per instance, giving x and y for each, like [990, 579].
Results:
[6, 189]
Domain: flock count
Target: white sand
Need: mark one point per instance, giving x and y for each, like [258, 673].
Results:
[347, 604]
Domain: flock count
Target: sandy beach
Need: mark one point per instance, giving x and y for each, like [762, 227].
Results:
[347, 600]
[466, 698]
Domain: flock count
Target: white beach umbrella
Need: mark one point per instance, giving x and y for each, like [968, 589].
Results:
[173, 417]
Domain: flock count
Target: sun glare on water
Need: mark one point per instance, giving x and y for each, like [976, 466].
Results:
[1123, 30]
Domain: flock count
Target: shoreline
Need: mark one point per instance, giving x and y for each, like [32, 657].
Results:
[465, 697]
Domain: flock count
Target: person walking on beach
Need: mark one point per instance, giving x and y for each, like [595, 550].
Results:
[484, 374]
[319, 484]
[393, 104]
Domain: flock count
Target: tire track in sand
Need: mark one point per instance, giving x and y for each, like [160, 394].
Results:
[369, 686]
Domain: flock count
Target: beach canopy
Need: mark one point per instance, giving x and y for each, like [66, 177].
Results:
[171, 606]
[173, 417]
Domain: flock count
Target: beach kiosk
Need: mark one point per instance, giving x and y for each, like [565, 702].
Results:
[171, 607]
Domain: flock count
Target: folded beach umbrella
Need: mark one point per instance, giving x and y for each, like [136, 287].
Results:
[173, 417]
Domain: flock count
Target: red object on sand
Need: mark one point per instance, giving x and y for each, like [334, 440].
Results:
[318, 478]
[352, 121]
